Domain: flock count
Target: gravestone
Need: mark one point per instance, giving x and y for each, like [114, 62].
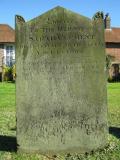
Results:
[61, 83]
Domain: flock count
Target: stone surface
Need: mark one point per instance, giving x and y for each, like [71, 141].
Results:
[61, 83]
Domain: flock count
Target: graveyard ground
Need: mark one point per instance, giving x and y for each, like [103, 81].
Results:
[8, 128]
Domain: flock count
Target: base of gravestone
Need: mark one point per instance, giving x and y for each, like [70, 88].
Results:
[69, 151]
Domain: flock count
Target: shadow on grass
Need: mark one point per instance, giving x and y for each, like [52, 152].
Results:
[115, 131]
[8, 144]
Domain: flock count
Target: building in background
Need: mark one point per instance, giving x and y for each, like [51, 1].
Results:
[112, 39]
[7, 47]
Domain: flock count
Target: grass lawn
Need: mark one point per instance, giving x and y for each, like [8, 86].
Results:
[8, 123]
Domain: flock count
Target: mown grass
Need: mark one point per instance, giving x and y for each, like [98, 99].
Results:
[8, 131]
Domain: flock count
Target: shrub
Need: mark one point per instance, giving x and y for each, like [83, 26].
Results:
[14, 72]
[8, 73]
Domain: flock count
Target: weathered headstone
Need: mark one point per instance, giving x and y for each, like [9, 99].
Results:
[61, 83]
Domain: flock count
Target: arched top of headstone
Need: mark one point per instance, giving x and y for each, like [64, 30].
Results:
[59, 11]
[59, 15]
